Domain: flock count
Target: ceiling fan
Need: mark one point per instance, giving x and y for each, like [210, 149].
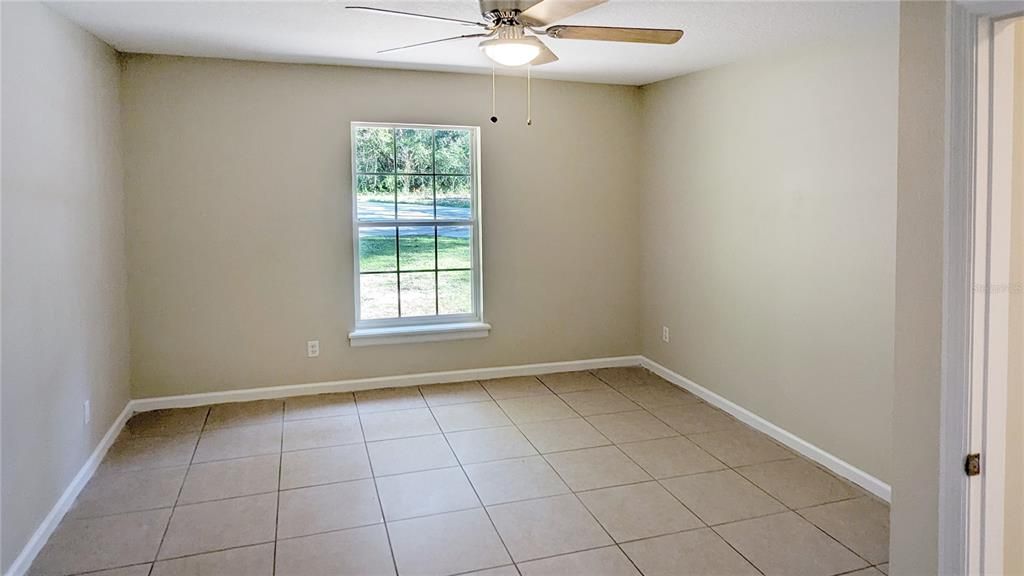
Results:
[511, 29]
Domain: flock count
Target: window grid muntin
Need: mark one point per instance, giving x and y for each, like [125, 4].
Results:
[407, 174]
[471, 222]
[433, 188]
[398, 239]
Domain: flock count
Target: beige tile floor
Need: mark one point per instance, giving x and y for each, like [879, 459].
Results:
[610, 472]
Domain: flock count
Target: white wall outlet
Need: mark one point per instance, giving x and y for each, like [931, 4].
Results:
[312, 348]
[666, 336]
[87, 411]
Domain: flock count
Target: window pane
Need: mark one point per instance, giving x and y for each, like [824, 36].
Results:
[453, 247]
[375, 197]
[415, 197]
[455, 292]
[416, 248]
[414, 154]
[453, 154]
[377, 250]
[453, 198]
[418, 297]
[378, 296]
[375, 150]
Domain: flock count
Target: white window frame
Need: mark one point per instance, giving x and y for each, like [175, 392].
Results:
[421, 328]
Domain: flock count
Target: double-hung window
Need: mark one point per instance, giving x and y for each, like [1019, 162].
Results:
[416, 226]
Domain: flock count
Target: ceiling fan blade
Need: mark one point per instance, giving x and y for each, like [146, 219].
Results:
[613, 34]
[434, 42]
[550, 11]
[415, 15]
[546, 56]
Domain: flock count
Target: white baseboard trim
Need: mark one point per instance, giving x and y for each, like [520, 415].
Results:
[833, 463]
[28, 554]
[354, 385]
[794, 442]
[42, 534]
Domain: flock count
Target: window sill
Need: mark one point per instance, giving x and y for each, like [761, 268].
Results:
[413, 334]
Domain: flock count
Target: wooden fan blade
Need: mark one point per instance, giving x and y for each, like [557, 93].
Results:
[550, 11]
[546, 56]
[464, 36]
[415, 15]
[613, 34]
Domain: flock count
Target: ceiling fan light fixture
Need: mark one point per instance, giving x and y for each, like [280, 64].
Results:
[512, 51]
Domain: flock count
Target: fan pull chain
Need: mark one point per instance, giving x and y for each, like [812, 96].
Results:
[529, 95]
[494, 111]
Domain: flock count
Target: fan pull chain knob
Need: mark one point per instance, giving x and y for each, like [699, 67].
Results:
[494, 112]
[529, 93]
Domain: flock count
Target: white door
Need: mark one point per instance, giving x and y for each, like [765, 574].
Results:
[992, 268]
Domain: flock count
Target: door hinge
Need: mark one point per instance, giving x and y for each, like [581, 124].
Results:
[972, 464]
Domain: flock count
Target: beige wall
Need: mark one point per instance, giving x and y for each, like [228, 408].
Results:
[919, 241]
[65, 324]
[1015, 398]
[769, 237]
[239, 233]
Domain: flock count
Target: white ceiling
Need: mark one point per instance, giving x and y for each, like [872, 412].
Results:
[325, 32]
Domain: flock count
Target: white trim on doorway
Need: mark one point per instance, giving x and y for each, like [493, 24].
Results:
[956, 293]
[967, 143]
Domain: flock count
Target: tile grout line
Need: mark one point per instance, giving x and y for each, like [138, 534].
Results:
[181, 489]
[848, 572]
[206, 552]
[376, 489]
[122, 567]
[470, 482]
[431, 514]
[511, 565]
[589, 549]
[280, 473]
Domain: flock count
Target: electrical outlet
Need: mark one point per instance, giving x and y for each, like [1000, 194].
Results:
[87, 411]
[312, 348]
[665, 335]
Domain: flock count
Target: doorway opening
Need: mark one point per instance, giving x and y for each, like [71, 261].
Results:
[982, 476]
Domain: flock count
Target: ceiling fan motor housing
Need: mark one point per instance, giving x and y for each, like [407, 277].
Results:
[514, 32]
[505, 6]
